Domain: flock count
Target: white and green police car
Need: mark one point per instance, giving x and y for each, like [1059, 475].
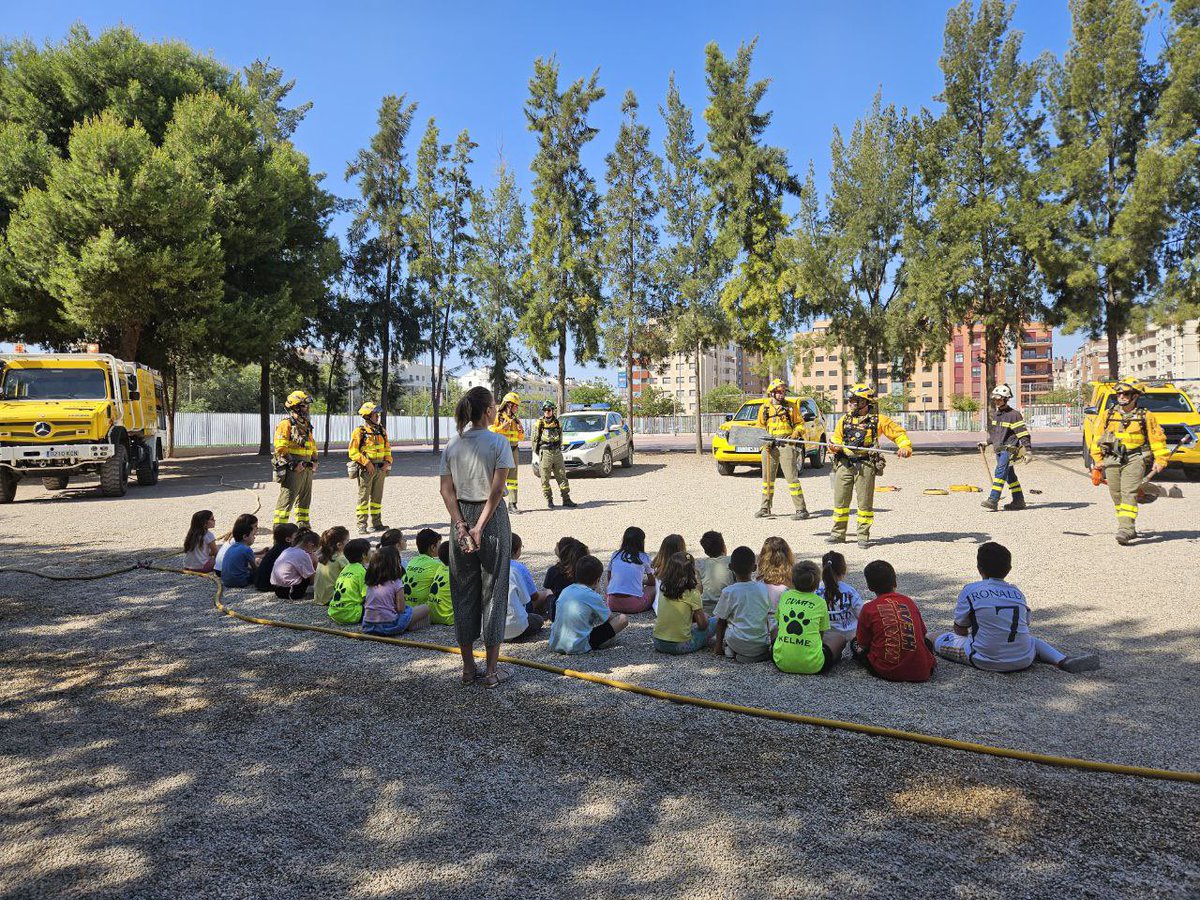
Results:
[593, 439]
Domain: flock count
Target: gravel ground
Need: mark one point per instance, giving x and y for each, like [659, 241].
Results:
[150, 747]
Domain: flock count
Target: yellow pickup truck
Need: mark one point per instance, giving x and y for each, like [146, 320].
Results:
[1171, 406]
[729, 453]
[63, 415]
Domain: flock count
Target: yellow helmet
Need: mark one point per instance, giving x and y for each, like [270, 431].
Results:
[367, 408]
[510, 397]
[1131, 385]
[297, 398]
[861, 392]
[776, 385]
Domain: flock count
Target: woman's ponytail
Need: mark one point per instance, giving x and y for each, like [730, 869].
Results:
[472, 407]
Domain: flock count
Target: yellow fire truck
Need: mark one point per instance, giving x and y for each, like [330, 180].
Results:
[63, 415]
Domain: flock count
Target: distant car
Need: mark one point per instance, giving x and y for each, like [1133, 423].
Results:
[593, 439]
[729, 454]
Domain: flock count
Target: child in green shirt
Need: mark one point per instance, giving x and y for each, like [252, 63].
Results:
[804, 643]
[441, 610]
[419, 571]
[350, 589]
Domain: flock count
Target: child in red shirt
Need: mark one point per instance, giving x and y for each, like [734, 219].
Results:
[891, 641]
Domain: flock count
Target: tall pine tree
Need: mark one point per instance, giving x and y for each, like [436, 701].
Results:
[564, 272]
[496, 271]
[632, 321]
[749, 180]
[689, 268]
[969, 258]
[1101, 261]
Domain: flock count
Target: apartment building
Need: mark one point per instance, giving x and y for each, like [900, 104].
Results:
[727, 364]
[932, 384]
[1161, 351]
[530, 385]
[1087, 364]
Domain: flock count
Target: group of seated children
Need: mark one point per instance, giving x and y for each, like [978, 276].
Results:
[745, 607]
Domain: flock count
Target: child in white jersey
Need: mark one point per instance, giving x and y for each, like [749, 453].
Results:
[991, 624]
[845, 603]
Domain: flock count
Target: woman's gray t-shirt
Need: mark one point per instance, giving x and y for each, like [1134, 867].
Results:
[471, 460]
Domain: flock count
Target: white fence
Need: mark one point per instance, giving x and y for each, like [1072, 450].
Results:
[242, 429]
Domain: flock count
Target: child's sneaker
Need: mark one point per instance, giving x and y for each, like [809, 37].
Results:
[1075, 664]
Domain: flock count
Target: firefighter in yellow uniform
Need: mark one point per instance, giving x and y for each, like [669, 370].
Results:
[295, 460]
[372, 453]
[1128, 442]
[508, 423]
[855, 468]
[781, 419]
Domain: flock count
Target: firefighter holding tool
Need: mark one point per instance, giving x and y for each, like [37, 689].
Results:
[781, 420]
[371, 460]
[508, 423]
[1009, 437]
[295, 460]
[856, 463]
[1127, 444]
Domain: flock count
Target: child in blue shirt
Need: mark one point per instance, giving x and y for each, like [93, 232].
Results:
[582, 619]
[844, 602]
[237, 568]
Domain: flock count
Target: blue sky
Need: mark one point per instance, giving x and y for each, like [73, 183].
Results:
[469, 63]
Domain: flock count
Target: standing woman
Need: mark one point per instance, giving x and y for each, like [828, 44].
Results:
[508, 424]
[474, 469]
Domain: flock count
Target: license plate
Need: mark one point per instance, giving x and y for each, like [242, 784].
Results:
[747, 450]
[61, 453]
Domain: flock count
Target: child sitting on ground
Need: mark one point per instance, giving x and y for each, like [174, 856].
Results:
[671, 544]
[714, 573]
[384, 610]
[350, 590]
[804, 643]
[775, 565]
[569, 551]
[244, 520]
[742, 611]
[991, 624]
[418, 574]
[522, 622]
[393, 537]
[844, 602]
[283, 537]
[330, 561]
[681, 625]
[536, 601]
[441, 607]
[630, 578]
[583, 620]
[296, 568]
[200, 544]
[891, 641]
[238, 568]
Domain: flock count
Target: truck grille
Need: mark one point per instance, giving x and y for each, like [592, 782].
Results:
[1176, 434]
[19, 431]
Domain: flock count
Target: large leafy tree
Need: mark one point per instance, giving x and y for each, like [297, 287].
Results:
[690, 270]
[437, 227]
[120, 238]
[1101, 259]
[749, 180]
[377, 232]
[497, 277]
[969, 258]
[564, 271]
[852, 254]
[630, 250]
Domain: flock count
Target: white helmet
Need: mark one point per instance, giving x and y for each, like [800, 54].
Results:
[1002, 392]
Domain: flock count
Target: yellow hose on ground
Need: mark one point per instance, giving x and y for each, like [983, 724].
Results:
[1070, 762]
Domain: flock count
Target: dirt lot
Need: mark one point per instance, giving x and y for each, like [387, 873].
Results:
[151, 747]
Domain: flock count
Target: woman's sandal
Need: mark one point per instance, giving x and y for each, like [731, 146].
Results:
[496, 679]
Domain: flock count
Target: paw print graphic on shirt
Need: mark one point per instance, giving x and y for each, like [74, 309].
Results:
[794, 621]
[440, 584]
